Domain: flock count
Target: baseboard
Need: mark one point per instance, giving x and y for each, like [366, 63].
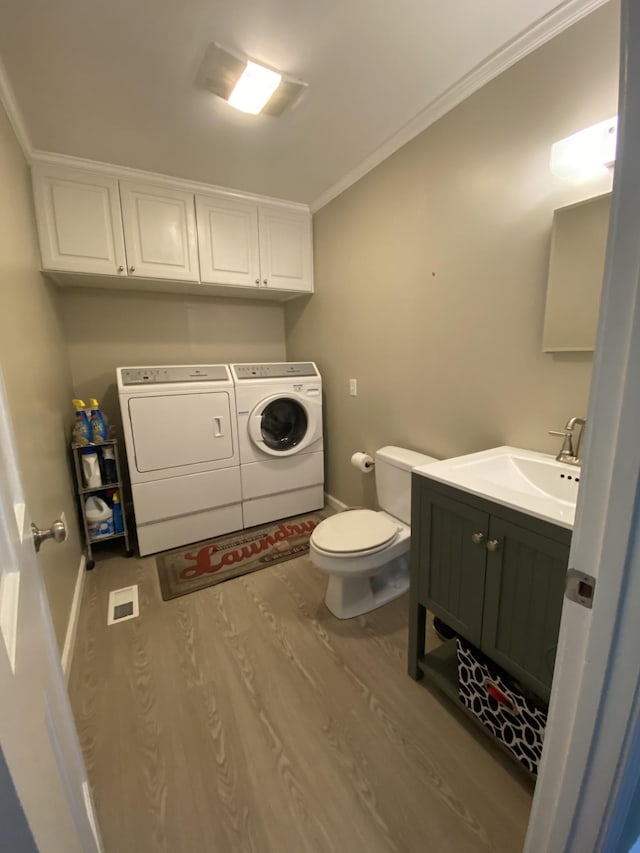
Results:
[72, 625]
[334, 503]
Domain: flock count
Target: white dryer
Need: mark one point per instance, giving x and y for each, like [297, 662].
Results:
[181, 438]
[280, 435]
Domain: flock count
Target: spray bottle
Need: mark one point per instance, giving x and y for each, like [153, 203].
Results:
[81, 427]
[99, 428]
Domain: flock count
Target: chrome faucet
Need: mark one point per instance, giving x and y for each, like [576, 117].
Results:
[568, 452]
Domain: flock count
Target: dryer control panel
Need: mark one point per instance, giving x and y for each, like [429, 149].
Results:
[274, 371]
[183, 373]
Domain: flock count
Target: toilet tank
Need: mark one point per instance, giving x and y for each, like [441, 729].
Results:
[393, 479]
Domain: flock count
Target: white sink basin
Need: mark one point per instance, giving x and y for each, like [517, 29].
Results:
[534, 483]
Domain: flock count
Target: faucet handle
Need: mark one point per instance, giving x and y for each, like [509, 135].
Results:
[565, 433]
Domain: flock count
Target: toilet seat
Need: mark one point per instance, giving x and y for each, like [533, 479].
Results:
[359, 531]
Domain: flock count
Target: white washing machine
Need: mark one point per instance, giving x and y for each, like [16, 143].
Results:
[280, 435]
[181, 438]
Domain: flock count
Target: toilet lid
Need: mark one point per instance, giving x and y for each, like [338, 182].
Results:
[355, 530]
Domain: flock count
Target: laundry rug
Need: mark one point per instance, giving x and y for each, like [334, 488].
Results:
[204, 564]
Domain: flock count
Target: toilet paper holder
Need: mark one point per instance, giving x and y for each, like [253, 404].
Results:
[363, 462]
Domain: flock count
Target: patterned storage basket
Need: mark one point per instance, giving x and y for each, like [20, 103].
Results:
[514, 719]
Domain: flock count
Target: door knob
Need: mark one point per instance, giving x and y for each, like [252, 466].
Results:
[477, 538]
[57, 532]
[493, 544]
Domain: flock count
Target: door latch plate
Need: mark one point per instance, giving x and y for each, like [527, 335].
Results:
[580, 587]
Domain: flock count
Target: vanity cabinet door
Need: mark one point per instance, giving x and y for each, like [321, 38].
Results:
[159, 231]
[451, 560]
[524, 593]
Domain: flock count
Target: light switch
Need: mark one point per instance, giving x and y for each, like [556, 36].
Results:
[353, 387]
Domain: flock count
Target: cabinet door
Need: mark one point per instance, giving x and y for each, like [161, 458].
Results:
[228, 241]
[79, 221]
[160, 232]
[523, 603]
[451, 565]
[285, 249]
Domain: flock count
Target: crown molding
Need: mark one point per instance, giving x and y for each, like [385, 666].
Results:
[519, 47]
[14, 114]
[129, 173]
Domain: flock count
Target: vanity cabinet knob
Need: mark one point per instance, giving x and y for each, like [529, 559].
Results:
[493, 544]
[477, 538]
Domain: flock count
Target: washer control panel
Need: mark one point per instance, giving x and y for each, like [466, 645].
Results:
[274, 371]
[186, 373]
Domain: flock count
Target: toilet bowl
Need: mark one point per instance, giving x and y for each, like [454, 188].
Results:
[366, 552]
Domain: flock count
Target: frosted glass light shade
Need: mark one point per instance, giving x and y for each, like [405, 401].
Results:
[586, 154]
[227, 74]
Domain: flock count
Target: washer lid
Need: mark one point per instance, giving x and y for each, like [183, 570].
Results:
[354, 530]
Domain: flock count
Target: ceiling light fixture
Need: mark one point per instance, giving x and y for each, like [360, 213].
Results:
[254, 88]
[247, 85]
[586, 154]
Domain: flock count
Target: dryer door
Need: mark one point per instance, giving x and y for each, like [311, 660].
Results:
[175, 430]
[285, 424]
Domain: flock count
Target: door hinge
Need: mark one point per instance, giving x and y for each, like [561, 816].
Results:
[580, 588]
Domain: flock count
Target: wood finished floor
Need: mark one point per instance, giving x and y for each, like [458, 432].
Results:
[245, 717]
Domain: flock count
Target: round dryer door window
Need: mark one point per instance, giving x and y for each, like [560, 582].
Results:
[283, 424]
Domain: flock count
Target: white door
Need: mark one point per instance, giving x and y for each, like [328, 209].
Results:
[37, 734]
[159, 232]
[175, 430]
[228, 241]
[79, 222]
[285, 249]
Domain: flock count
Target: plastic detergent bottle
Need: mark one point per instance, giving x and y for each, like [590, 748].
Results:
[109, 465]
[118, 524]
[99, 428]
[81, 427]
[99, 518]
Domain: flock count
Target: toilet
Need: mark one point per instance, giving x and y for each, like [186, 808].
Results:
[364, 552]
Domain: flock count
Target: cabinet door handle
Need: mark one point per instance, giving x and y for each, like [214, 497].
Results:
[132, 269]
[120, 268]
[258, 281]
[264, 281]
[477, 538]
[493, 544]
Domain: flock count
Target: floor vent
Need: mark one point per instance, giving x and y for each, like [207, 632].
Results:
[123, 604]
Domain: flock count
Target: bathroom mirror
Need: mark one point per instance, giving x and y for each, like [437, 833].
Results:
[576, 268]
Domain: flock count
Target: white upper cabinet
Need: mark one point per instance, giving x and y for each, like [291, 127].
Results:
[79, 223]
[168, 235]
[285, 248]
[160, 232]
[228, 241]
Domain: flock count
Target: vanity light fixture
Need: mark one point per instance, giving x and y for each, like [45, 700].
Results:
[247, 85]
[586, 154]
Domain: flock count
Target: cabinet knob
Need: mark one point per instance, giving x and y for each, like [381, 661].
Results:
[258, 281]
[477, 538]
[120, 268]
[493, 544]
[132, 269]
[264, 281]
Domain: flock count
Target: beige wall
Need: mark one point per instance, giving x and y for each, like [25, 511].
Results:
[431, 271]
[109, 329]
[37, 376]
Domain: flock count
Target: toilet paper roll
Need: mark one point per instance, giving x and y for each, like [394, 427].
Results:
[363, 462]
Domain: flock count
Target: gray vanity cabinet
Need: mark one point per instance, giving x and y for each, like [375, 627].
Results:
[496, 576]
[452, 580]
